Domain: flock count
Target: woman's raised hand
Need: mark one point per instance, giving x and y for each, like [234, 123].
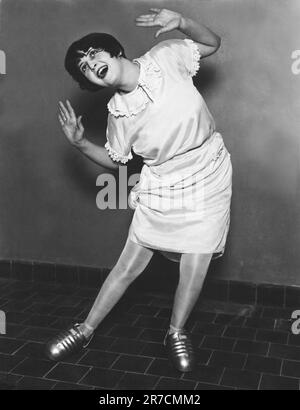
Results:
[71, 126]
[166, 19]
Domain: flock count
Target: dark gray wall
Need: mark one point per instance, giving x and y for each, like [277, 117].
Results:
[48, 190]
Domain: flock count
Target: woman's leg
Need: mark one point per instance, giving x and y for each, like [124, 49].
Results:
[193, 270]
[131, 263]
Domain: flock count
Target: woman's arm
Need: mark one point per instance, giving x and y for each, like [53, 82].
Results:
[97, 154]
[208, 42]
[74, 131]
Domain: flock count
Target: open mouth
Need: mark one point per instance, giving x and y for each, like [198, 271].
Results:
[101, 72]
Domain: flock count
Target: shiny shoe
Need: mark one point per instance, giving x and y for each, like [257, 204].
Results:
[180, 350]
[66, 343]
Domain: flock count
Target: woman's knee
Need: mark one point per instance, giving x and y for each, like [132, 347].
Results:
[127, 272]
[133, 260]
[194, 265]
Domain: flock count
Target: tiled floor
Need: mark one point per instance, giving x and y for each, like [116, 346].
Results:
[238, 346]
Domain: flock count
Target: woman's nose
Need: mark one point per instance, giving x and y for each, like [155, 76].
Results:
[91, 65]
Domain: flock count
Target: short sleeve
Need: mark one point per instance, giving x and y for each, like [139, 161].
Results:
[184, 54]
[116, 145]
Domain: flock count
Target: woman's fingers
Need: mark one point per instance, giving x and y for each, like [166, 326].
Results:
[71, 111]
[155, 10]
[162, 30]
[146, 23]
[62, 114]
[148, 20]
[146, 16]
[79, 123]
[62, 123]
[145, 20]
[64, 110]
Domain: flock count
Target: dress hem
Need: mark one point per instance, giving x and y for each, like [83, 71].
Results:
[218, 253]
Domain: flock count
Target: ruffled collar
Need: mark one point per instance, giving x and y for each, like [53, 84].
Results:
[128, 104]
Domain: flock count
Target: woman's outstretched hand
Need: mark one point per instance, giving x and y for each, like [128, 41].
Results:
[71, 126]
[166, 19]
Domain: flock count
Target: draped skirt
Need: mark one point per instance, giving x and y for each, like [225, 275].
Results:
[183, 204]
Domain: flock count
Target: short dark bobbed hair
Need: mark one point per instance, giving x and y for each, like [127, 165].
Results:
[95, 40]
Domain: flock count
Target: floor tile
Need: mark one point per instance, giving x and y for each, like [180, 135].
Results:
[33, 367]
[241, 379]
[270, 382]
[98, 358]
[218, 343]
[155, 350]
[229, 320]
[144, 310]
[248, 346]
[205, 374]
[38, 334]
[70, 386]
[9, 381]
[125, 331]
[277, 313]
[203, 355]
[105, 378]
[162, 367]
[134, 381]
[9, 346]
[137, 364]
[226, 359]
[294, 340]
[32, 349]
[209, 329]
[271, 336]
[152, 335]
[260, 323]
[263, 364]
[284, 351]
[151, 322]
[8, 362]
[33, 383]
[129, 346]
[67, 372]
[207, 386]
[167, 383]
[240, 333]
[291, 368]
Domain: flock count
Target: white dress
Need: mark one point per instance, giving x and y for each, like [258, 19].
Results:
[182, 200]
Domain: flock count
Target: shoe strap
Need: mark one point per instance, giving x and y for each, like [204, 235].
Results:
[88, 340]
[182, 332]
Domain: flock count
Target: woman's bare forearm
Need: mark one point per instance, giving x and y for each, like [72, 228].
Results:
[96, 154]
[199, 33]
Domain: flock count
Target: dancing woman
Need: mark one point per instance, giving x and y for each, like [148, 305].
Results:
[182, 200]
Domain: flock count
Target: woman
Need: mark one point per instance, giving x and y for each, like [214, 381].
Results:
[182, 201]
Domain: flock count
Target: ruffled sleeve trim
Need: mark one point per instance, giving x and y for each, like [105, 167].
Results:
[115, 156]
[196, 56]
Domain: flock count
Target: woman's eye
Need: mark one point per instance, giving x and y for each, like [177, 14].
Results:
[93, 53]
[83, 68]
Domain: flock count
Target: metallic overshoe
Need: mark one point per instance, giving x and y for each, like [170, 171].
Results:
[66, 343]
[180, 350]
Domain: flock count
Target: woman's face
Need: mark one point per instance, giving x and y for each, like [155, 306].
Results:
[100, 68]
